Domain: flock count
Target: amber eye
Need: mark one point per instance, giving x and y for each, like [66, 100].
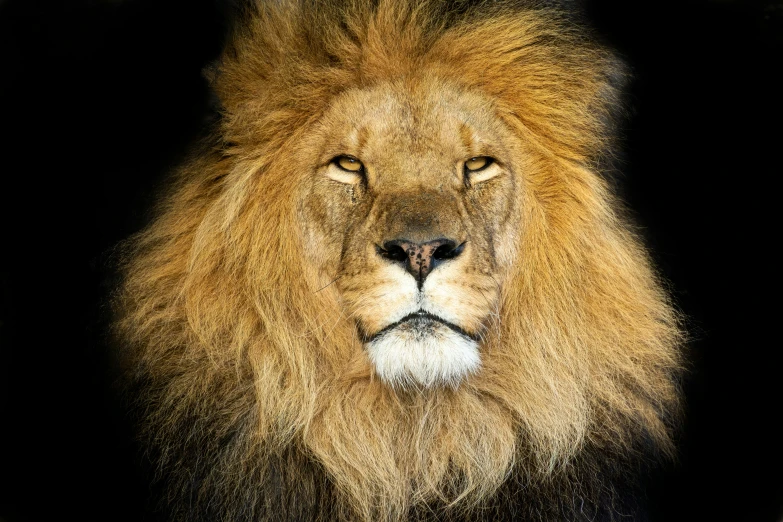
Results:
[478, 163]
[348, 163]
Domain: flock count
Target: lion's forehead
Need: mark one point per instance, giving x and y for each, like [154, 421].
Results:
[420, 125]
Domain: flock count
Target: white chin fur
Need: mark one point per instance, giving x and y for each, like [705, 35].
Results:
[439, 356]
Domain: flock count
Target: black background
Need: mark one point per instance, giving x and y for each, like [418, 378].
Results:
[98, 99]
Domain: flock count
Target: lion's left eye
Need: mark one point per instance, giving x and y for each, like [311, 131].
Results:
[479, 169]
[478, 163]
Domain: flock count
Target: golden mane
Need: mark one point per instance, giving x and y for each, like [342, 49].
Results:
[254, 396]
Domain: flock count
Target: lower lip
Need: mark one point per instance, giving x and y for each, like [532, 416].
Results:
[421, 321]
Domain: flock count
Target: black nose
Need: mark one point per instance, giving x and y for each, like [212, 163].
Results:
[420, 259]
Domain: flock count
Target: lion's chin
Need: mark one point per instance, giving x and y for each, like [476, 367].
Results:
[425, 353]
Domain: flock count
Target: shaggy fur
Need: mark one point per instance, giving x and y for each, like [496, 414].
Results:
[244, 308]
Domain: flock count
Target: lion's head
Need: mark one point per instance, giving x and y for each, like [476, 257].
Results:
[413, 214]
[396, 274]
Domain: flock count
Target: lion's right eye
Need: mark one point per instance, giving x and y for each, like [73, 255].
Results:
[346, 169]
[478, 163]
[348, 163]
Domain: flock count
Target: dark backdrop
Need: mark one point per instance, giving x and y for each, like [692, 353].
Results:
[99, 98]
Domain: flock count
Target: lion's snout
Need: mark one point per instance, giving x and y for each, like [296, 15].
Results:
[419, 259]
[419, 231]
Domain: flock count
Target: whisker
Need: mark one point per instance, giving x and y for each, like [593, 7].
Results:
[328, 284]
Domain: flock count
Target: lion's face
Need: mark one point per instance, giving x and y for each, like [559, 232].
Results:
[412, 212]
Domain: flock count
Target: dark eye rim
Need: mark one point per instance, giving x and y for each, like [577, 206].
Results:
[490, 161]
[336, 162]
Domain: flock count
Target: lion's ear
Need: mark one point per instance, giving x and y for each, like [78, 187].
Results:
[232, 16]
[210, 73]
[233, 12]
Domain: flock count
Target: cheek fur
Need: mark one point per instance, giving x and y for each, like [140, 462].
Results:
[327, 214]
[380, 297]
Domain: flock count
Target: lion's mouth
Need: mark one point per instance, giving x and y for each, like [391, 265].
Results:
[423, 349]
[423, 323]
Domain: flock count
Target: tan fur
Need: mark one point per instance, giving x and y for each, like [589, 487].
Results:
[241, 306]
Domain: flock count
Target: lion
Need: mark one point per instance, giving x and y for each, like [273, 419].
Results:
[395, 283]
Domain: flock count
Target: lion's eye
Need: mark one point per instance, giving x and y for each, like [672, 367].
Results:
[479, 169]
[478, 163]
[346, 169]
[348, 163]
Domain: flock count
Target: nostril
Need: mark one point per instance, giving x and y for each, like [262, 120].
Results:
[419, 259]
[394, 251]
[448, 250]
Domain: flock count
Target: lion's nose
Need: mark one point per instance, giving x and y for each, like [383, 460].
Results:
[420, 259]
